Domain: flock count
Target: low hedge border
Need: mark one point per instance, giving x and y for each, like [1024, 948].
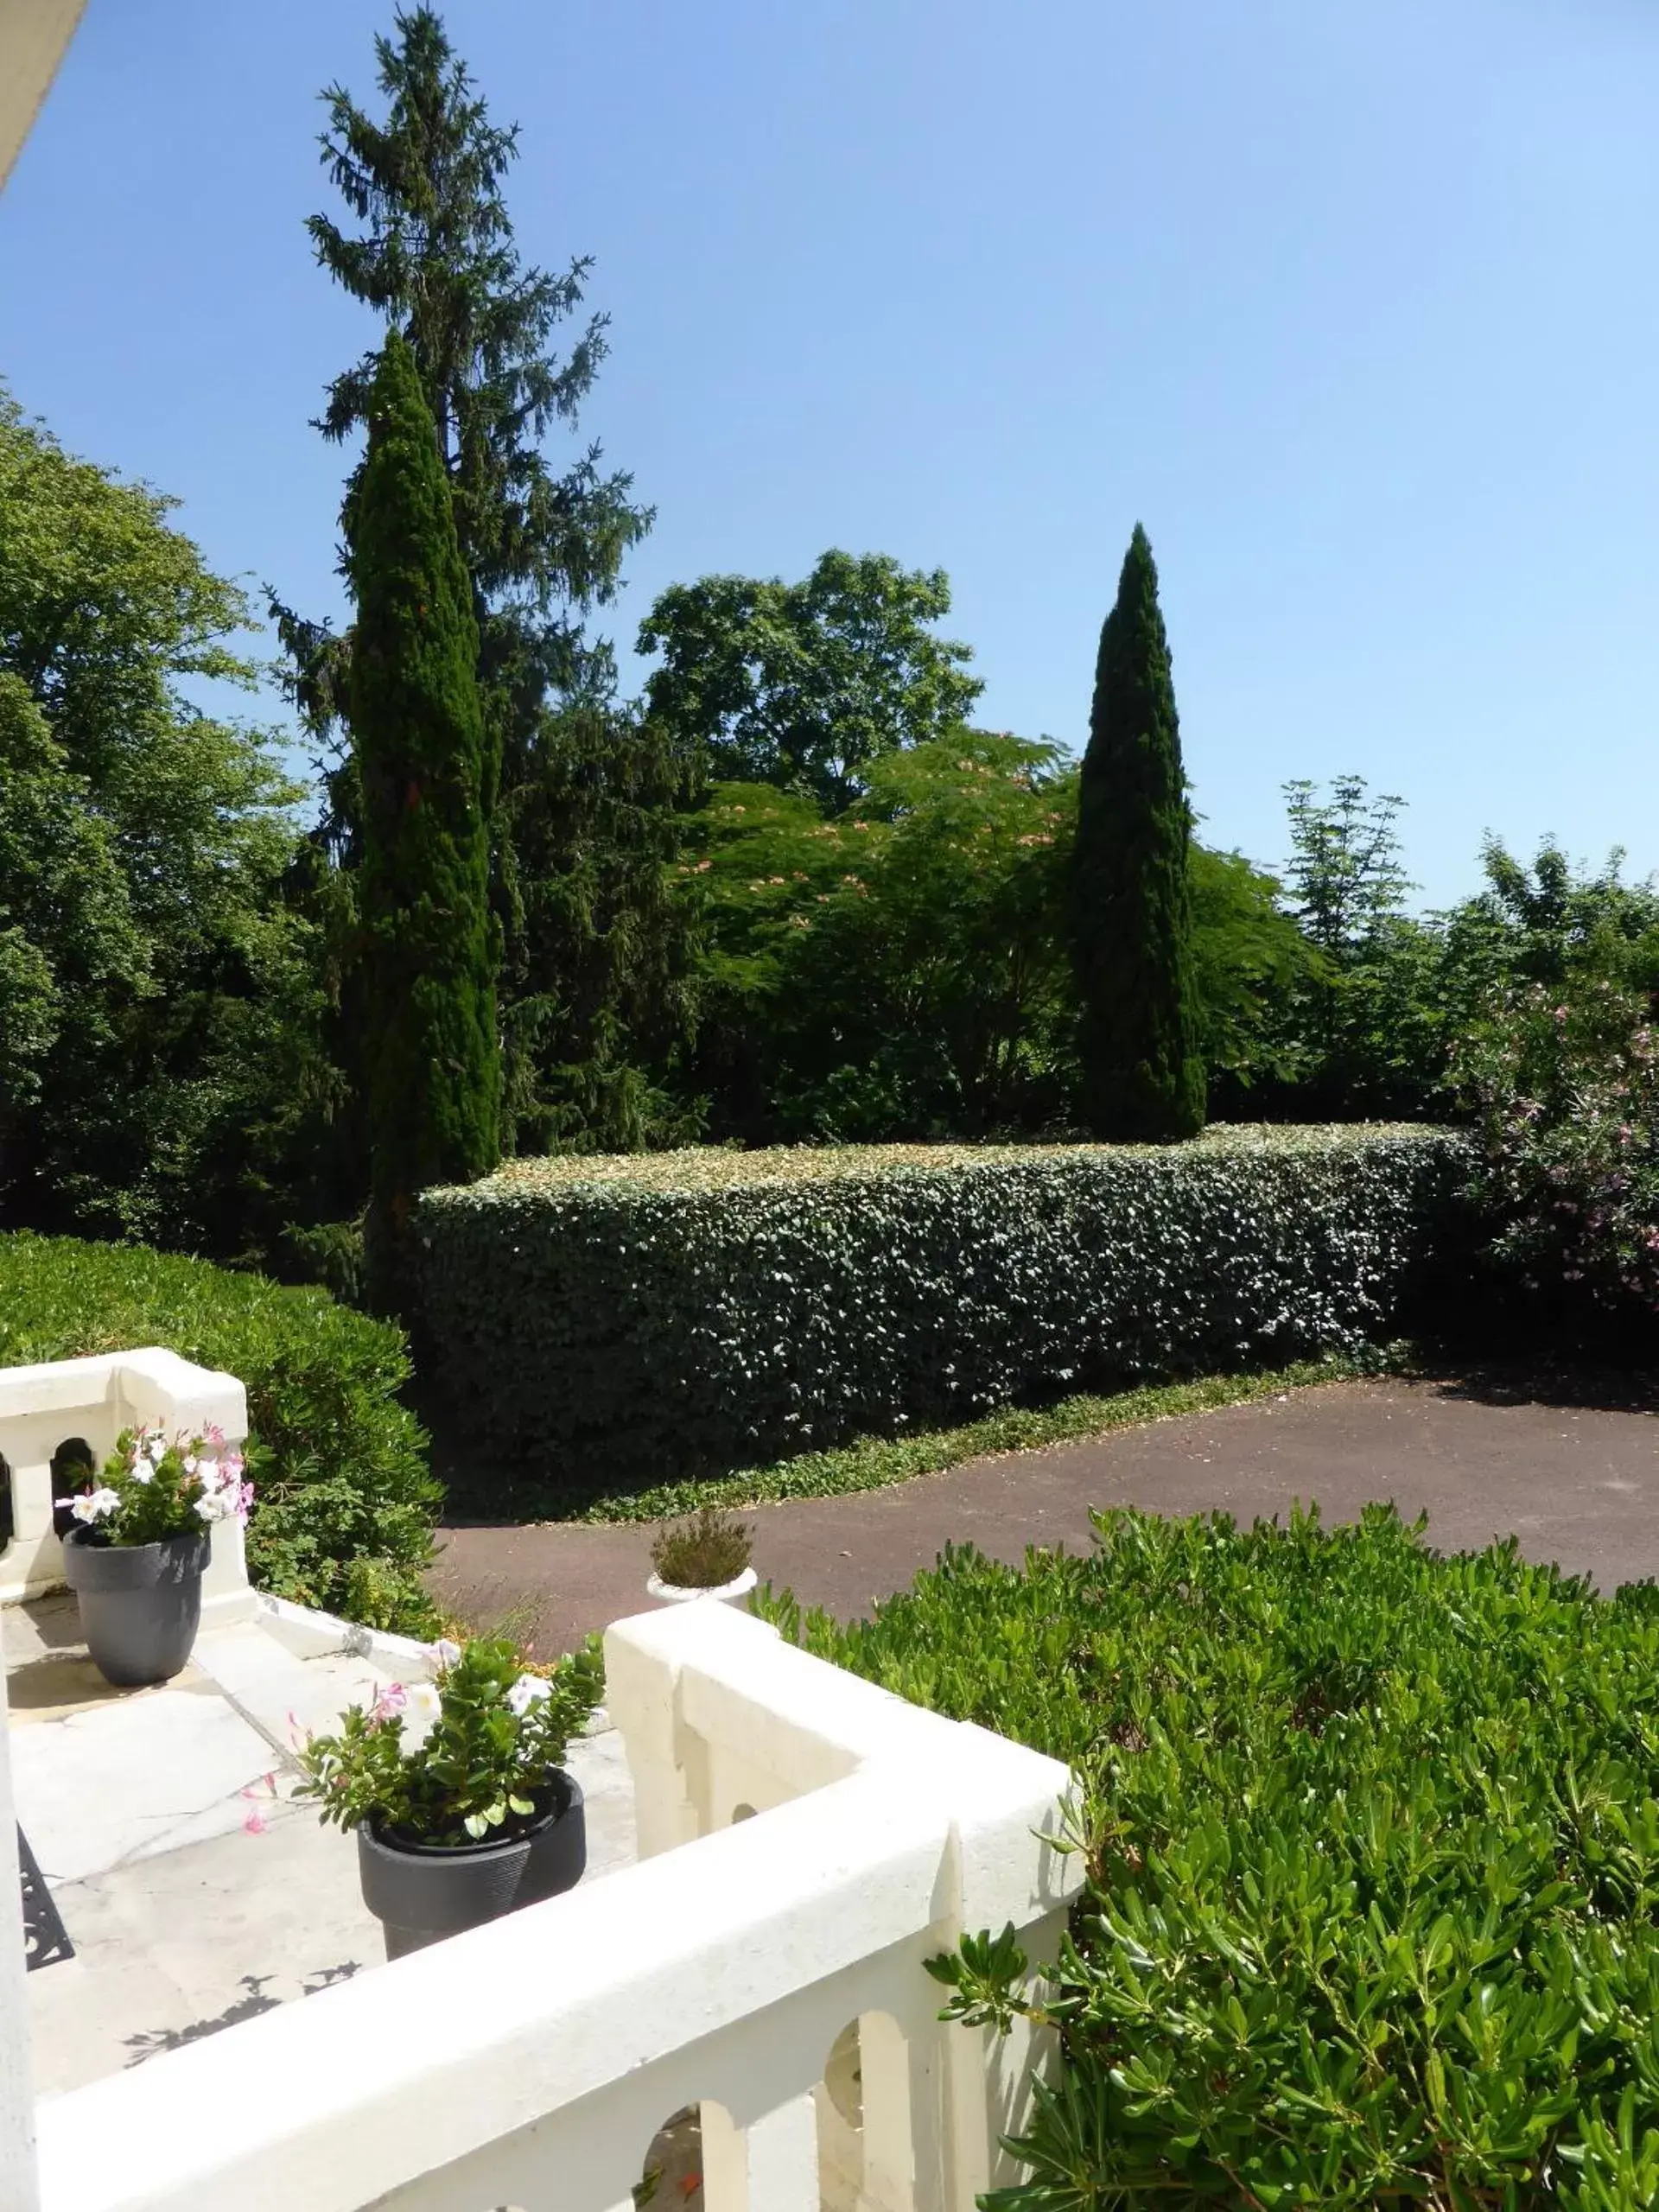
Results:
[344, 1501]
[635, 1322]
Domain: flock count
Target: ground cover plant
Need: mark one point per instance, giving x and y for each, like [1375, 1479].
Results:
[345, 1499]
[1373, 1853]
[689, 1312]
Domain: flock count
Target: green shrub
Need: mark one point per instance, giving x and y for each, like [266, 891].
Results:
[1373, 1853]
[344, 1498]
[703, 1553]
[700, 1309]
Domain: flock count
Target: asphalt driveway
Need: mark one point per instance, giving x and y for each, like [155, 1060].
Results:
[1575, 1482]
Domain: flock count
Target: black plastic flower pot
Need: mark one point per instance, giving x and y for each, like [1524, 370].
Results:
[140, 1604]
[423, 1892]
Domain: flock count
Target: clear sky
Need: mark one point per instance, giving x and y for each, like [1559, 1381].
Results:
[1354, 303]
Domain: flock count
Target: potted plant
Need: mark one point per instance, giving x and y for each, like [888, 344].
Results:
[462, 1809]
[141, 1537]
[707, 1556]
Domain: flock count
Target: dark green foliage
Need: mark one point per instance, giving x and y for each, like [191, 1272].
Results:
[804, 685]
[345, 1504]
[595, 985]
[603, 970]
[157, 995]
[708, 1309]
[1143, 1081]
[1373, 1863]
[429, 949]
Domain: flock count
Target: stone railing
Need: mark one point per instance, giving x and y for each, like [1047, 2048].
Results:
[755, 1985]
[53, 1418]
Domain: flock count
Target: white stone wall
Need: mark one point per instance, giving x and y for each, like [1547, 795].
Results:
[43, 1407]
[531, 2064]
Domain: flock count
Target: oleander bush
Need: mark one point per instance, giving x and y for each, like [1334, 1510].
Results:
[700, 1309]
[344, 1501]
[1372, 1842]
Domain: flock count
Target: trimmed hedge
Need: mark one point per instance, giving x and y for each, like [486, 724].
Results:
[700, 1309]
[1372, 1840]
[344, 1502]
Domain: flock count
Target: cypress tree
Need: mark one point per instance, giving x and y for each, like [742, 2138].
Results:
[1143, 1079]
[430, 248]
[428, 945]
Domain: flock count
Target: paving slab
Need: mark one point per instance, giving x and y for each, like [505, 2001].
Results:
[195, 1890]
[1483, 1457]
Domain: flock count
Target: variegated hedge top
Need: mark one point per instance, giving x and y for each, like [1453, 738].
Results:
[699, 1168]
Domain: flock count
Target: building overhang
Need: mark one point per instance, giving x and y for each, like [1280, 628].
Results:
[34, 35]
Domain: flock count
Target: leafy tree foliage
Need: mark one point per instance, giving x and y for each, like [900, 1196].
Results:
[429, 946]
[804, 685]
[896, 969]
[1131, 913]
[604, 972]
[156, 991]
[902, 969]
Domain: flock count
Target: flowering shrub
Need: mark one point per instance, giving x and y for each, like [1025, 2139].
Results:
[1566, 1083]
[151, 1489]
[461, 1759]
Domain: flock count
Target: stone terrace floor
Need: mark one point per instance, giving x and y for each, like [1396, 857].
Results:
[134, 1805]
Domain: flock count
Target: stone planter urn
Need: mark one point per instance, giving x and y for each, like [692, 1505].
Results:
[681, 1594]
[140, 1604]
[422, 1893]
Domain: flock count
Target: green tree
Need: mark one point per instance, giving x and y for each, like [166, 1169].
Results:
[1362, 1031]
[1248, 959]
[1143, 1079]
[804, 685]
[606, 963]
[434, 253]
[430, 946]
[158, 992]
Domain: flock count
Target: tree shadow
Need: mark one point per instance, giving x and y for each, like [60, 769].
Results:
[1572, 1385]
[151, 2041]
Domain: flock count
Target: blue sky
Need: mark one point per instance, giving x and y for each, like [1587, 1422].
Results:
[1356, 305]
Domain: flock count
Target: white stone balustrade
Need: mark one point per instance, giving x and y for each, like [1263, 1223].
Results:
[766, 1972]
[90, 1401]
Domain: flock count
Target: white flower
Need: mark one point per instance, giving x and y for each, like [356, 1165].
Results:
[422, 1703]
[443, 1653]
[93, 1504]
[210, 1509]
[155, 1449]
[528, 1690]
[141, 1472]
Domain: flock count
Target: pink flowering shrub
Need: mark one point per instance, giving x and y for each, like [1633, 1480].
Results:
[153, 1487]
[467, 1757]
[1566, 1082]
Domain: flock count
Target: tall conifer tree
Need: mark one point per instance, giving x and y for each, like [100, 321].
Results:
[1143, 1080]
[433, 1078]
[583, 788]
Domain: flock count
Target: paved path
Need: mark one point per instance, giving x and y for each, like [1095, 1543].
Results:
[1580, 1484]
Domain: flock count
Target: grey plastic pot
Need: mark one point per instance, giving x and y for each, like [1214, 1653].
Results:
[140, 1604]
[422, 1893]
